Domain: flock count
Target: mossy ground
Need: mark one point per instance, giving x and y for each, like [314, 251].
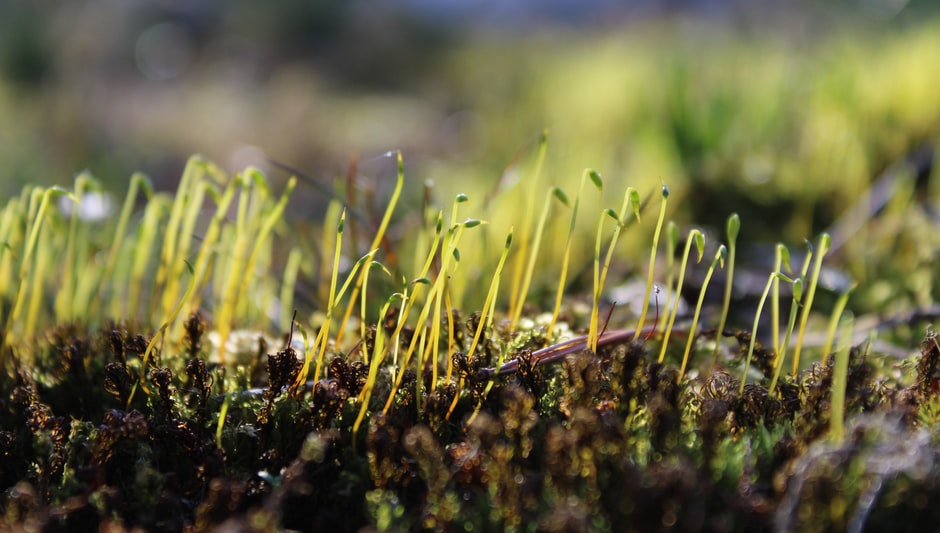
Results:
[606, 442]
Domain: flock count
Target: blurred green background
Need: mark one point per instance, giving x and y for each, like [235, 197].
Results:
[783, 114]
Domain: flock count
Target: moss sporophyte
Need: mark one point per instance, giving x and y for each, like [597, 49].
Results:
[459, 372]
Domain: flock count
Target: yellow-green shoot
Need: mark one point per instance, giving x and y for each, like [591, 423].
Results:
[595, 178]
[520, 276]
[719, 258]
[486, 317]
[35, 217]
[672, 241]
[760, 307]
[652, 264]
[162, 335]
[376, 242]
[695, 236]
[732, 228]
[837, 311]
[519, 296]
[781, 351]
[630, 198]
[824, 241]
[840, 381]
[378, 349]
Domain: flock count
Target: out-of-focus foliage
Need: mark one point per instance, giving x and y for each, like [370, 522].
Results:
[767, 109]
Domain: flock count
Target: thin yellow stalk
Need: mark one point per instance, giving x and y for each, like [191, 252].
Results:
[208, 251]
[566, 258]
[695, 237]
[630, 197]
[486, 318]
[36, 278]
[378, 350]
[288, 286]
[781, 256]
[65, 297]
[519, 297]
[171, 232]
[837, 311]
[719, 259]
[750, 348]
[840, 381]
[161, 333]
[324, 328]
[434, 295]
[798, 302]
[143, 244]
[138, 181]
[39, 205]
[263, 233]
[376, 241]
[652, 265]
[824, 241]
[451, 342]
[732, 227]
[672, 240]
[518, 293]
[782, 349]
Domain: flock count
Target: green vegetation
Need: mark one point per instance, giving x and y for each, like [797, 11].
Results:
[469, 370]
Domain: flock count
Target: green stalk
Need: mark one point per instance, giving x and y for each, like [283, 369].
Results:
[750, 348]
[834, 320]
[696, 237]
[652, 265]
[376, 242]
[718, 259]
[517, 295]
[563, 278]
[486, 321]
[732, 227]
[288, 287]
[378, 349]
[781, 259]
[781, 354]
[672, 240]
[39, 205]
[161, 333]
[824, 241]
[434, 294]
[630, 198]
[65, 297]
[143, 244]
[840, 381]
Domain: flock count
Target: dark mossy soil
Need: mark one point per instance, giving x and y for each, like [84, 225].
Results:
[604, 442]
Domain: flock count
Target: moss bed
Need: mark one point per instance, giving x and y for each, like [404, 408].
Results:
[605, 442]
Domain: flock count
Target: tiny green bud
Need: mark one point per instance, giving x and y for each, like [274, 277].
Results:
[596, 179]
[824, 242]
[733, 227]
[635, 202]
[784, 253]
[699, 242]
[672, 235]
[561, 195]
[461, 198]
